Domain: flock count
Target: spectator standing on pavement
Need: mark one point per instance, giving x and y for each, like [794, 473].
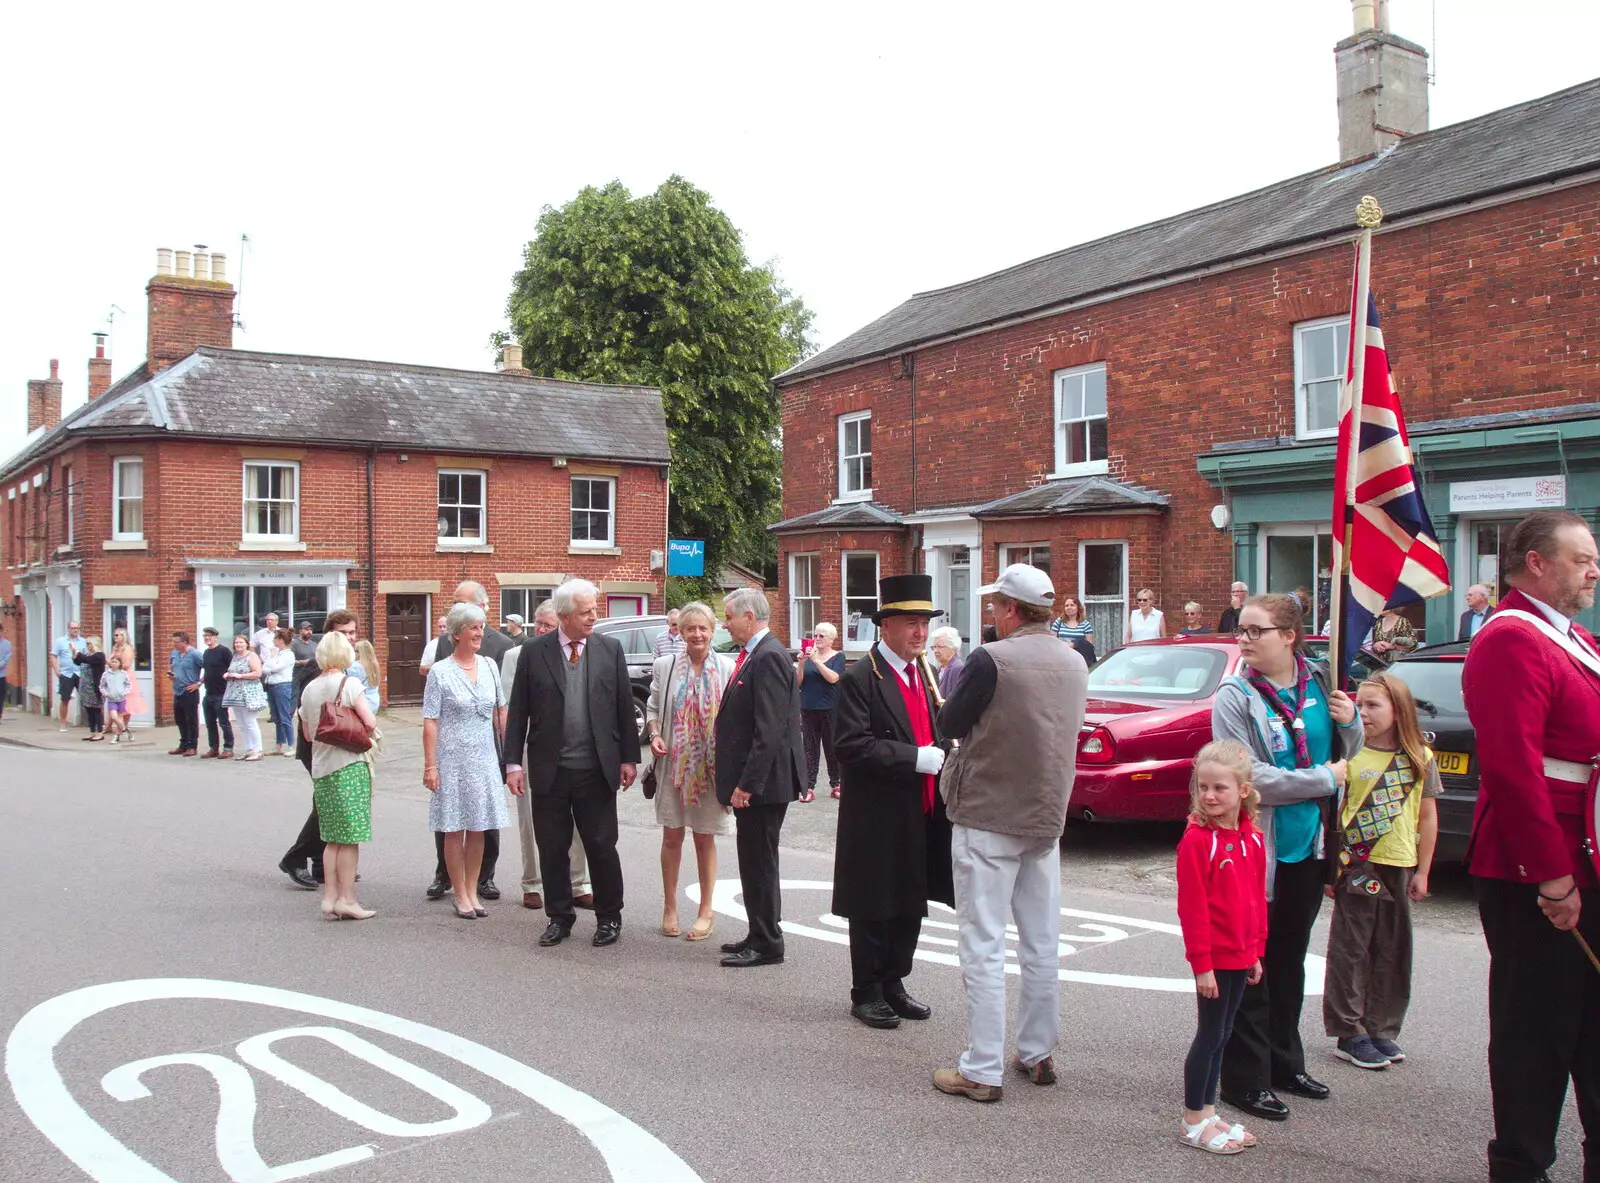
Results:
[431, 649]
[90, 668]
[544, 621]
[245, 696]
[671, 639]
[1146, 622]
[945, 645]
[1222, 908]
[341, 779]
[1237, 595]
[512, 626]
[64, 653]
[1532, 688]
[1389, 825]
[818, 671]
[1071, 626]
[1006, 791]
[681, 723]
[277, 677]
[114, 690]
[305, 662]
[495, 646]
[261, 641]
[1300, 732]
[123, 648]
[214, 662]
[367, 659]
[1477, 613]
[5, 670]
[1192, 624]
[187, 674]
[761, 766]
[1392, 635]
[893, 850]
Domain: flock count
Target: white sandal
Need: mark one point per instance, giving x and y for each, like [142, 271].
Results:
[1237, 1133]
[1194, 1135]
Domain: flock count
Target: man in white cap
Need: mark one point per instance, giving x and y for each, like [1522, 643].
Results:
[1017, 713]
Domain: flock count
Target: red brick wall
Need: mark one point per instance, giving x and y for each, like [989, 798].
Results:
[184, 314]
[894, 558]
[1490, 311]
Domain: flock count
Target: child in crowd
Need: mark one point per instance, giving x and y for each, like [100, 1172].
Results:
[1222, 905]
[114, 684]
[367, 659]
[1389, 825]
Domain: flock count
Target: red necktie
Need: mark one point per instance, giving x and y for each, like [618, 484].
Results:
[739, 661]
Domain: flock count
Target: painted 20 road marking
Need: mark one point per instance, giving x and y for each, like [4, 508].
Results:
[631, 1154]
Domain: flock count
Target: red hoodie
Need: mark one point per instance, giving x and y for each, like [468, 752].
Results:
[1222, 896]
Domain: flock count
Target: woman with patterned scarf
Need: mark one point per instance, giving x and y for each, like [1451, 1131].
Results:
[681, 723]
[1300, 730]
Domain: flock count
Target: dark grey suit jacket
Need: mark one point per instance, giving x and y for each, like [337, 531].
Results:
[538, 704]
[759, 748]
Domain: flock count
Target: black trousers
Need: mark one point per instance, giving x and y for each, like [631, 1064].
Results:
[491, 856]
[756, 830]
[881, 953]
[1202, 1068]
[187, 709]
[217, 716]
[5, 693]
[1544, 1027]
[579, 797]
[1265, 1045]
[816, 729]
[308, 845]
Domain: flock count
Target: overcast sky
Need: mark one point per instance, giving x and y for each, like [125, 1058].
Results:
[389, 162]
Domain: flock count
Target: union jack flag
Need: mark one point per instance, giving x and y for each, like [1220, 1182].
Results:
[1394, 555]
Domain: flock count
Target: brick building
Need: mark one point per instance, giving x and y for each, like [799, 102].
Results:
[1155, 409]
[212, 485]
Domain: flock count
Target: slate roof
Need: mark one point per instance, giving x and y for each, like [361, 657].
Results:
[236, 394]
[1541, 140]
[858, 515]
[1088, 494]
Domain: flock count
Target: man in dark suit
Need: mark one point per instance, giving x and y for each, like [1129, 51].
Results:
[1530, 855]
[761, 767]
[1478, 609]
[893, 849]
[572, 724]
[495, 646]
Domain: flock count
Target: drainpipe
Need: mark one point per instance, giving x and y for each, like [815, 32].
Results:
[372, 553]
[911, 364]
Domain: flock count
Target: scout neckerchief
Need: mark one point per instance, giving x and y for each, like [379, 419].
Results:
[1373, 820]
[1290, 716]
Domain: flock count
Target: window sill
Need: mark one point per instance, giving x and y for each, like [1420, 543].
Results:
[1312, 437]
[67, 549]
[1089, 468]
[589, 548]
[254, 544]
[125, 544]
[463, 548]
[849, 498]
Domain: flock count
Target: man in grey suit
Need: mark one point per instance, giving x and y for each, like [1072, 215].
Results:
[572, 724]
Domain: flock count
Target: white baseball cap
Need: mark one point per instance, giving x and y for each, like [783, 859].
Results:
[1025, 584]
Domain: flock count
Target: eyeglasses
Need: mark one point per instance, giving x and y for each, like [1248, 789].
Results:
[1144, 599]
[1253, 632]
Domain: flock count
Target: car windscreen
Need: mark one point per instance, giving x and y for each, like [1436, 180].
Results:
[1436, 685]
[1160, 671]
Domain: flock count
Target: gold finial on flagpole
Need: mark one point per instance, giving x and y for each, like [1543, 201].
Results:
[1368, 213]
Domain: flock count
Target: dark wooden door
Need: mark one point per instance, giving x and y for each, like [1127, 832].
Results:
[408, 633]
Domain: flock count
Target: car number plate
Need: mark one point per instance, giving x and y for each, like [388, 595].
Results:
[1451, 763]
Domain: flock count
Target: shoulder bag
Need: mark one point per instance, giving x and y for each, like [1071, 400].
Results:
[647, 785]
[340, 726]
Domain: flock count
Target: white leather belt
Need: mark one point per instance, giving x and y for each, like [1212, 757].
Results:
[1568, 770]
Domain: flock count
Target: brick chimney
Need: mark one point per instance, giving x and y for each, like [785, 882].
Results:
[1383, 84]
[190, 306]
[99, 368]
[44, 399]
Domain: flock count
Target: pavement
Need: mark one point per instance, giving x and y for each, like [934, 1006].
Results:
[177, 1010]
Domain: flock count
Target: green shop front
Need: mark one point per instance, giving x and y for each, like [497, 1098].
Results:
[1479, 478]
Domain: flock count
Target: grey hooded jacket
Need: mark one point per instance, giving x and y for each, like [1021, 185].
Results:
[1238, 712]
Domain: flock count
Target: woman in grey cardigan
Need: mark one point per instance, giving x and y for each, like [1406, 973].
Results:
[681, 724]
[1300, 731]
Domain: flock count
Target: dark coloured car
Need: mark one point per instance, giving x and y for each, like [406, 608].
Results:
[1434, 677]
[637, 635]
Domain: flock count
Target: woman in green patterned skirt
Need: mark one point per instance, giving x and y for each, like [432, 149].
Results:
[341, 780]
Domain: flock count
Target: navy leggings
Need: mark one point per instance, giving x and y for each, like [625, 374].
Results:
[1202, 1068]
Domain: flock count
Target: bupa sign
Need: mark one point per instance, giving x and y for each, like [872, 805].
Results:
[686, 556]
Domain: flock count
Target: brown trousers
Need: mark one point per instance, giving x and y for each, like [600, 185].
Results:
[1368, 985]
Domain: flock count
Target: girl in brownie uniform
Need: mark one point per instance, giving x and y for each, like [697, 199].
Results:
[1222, 906]
[1389, 824]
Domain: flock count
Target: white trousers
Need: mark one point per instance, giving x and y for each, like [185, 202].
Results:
[995, 873]
[247, 729]
[531, 879]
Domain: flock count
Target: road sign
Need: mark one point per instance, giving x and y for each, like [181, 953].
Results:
[686, 556]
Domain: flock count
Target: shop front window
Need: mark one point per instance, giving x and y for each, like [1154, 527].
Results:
[1487, 562]
[1302, 562]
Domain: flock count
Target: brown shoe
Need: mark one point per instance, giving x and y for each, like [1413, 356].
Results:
[532, 899]
[586, 900]
[176, 752]
[1040, 1072]
[213, 754]
[950, 1080]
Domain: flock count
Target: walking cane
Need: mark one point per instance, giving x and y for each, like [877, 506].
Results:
[1593, 960]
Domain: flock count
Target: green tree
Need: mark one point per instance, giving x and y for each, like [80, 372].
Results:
[657, 290]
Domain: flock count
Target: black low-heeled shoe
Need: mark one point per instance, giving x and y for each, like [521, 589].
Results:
[469, 914]
[479, 913]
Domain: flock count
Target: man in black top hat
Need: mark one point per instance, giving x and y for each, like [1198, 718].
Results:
[893, 850]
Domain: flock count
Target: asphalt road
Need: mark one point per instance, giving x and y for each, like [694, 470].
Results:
[146, 919]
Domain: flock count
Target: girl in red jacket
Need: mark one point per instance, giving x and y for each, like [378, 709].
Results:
[1222, 906]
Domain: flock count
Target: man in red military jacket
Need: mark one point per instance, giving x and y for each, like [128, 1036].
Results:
[1532, 686]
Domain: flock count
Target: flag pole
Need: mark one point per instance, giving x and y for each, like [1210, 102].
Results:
[1368, 216]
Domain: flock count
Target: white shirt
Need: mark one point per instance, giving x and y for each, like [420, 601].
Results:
[1563, 623]
[755, 640]
[1142, 627]
[896, 662]
[429, 653]
[261, 642]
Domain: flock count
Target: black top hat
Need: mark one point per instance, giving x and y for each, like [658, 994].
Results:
[906, 595]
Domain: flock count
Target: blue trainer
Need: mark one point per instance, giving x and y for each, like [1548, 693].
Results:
[1391, 1049]
[1361, 1052]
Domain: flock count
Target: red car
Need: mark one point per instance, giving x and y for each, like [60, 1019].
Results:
[1149, 715]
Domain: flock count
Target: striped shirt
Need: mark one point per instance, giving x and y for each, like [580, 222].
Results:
[1072, 632]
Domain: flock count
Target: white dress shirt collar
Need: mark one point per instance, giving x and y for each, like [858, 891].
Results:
[1563, 623]
[896, 662]
[755, 639]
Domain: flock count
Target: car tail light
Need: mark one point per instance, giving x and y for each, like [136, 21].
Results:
[1096, 746]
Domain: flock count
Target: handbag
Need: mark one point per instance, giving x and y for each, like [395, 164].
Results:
[647, 785]
[340, 726]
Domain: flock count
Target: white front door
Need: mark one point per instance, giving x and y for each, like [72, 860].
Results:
[136, 619]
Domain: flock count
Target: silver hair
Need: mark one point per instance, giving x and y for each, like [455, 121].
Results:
[546, 608]
[947, 635]
[474, 591]
[824, 629]
[566, 596]
[462, 617]
[1480, 588]
[748, 599]
[1192, 606]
